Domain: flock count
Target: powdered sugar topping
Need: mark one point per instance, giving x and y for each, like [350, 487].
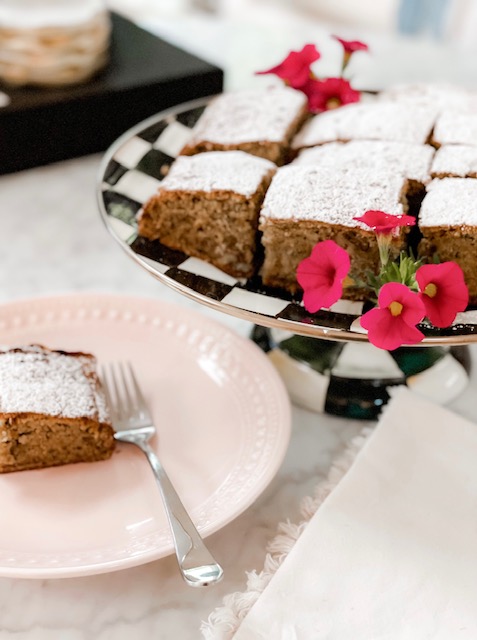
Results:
[249, 116]
[372, 121]
[411, 160]
[233, 171]
[441, 95]
[450, 202]
[37, 380]
[456, 127]
[307, 193]
[455, 160]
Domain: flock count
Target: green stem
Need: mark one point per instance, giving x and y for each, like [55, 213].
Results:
[383, 246]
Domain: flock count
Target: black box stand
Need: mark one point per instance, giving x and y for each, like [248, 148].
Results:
[145, 75]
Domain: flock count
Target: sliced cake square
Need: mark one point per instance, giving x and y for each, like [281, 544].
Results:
[438, 94]
[401, 122]
[448, 223]
[456, 161]
[455, 127]
[305, 205]
[208, 207]
[413, 161]
[52, 409]
[259, 122]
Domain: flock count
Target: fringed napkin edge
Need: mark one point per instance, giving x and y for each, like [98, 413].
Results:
[224, 621]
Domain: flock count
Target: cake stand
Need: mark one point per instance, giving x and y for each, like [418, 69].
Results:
[325, 358]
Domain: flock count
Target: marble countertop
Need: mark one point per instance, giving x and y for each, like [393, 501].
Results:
[53, 241]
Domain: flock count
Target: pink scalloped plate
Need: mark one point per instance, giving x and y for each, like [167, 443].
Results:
[223, 417]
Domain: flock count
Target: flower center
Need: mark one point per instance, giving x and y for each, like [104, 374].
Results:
[330, 274]
[395, 308]
[333, 103]
[430, 290]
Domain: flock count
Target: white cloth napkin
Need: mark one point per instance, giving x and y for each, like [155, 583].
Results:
[392, 552]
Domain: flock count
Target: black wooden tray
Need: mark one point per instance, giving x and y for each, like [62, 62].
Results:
[145, 75]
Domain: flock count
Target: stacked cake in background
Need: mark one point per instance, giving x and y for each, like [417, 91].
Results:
[380, 154]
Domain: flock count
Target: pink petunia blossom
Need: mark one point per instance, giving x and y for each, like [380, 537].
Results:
[385, 223]
[295, 69]
[321, 275]
[393, 322]
[443, 292]
[329, 94]
[350, 46]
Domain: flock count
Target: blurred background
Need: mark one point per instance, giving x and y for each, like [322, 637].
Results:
[64, 43]
[411, 40]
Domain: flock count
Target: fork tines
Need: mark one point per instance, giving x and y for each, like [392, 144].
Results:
[122, 391]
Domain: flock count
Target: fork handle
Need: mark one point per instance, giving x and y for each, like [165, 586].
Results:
[197, 565]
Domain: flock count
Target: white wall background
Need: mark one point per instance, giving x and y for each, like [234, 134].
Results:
[459, 16]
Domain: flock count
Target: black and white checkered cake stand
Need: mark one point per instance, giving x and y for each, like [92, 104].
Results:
[325, 358]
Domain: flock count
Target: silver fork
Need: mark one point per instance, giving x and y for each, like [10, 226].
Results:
[133, 423]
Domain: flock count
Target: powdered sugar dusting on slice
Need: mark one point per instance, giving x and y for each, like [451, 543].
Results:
[441, 95]
[373, 121]
[249, 116]
[450, 202]
[455, 160]
[37, 380]
[456, 127]
[411, 160]
[308, 193]
[233, 171]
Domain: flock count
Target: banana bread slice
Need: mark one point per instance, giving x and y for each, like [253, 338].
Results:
[208, 206]
[305, 205]
[413, 161]
[401, 122]
[455, 161]
[52, 409]
[455, 126]
[448, 223]
[259, 122]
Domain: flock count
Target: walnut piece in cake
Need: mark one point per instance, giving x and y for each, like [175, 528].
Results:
[52, 409]
[372, 121]
[455, 127]
[305, 205]
[455, 160]
[259, 122]
[413, 161]
[208, 206]
[448, 223]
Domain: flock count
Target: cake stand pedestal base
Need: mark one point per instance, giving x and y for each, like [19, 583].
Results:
[352, 379]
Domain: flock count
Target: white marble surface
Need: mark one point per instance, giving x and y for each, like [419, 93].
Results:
[52, 241]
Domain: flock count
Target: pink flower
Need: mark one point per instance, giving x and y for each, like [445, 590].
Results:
[385, 223]
[321, 275]
[329, 94]
[443, 292]
[394, 321]
[350, 46]
[295, 69]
